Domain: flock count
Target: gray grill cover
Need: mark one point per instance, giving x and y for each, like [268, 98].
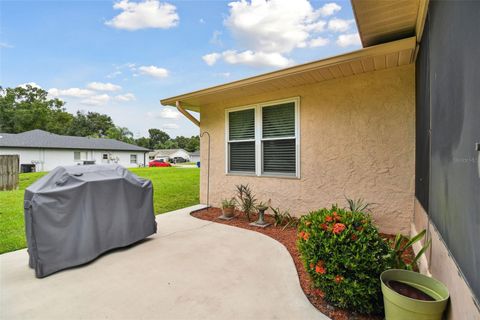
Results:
[74, 214]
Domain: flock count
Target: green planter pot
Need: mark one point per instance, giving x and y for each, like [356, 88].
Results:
[400, 307]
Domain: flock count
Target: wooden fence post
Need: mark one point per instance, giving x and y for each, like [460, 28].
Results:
[9, 166]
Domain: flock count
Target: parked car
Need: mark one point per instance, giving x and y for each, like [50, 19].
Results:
[159, 163]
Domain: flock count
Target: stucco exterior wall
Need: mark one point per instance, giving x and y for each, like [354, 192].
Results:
[356, 140]
[48, 159]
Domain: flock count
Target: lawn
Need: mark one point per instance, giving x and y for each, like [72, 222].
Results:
[174, 188]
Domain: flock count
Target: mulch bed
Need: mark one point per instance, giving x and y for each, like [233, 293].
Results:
[288, 238]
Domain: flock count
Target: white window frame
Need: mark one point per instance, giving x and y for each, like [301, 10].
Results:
[136, 158]
[259, 139]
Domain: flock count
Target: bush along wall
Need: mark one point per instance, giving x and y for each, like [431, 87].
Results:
[344, 255]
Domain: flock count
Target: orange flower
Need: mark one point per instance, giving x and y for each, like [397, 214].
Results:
[354, 237]
[338, 228]
[300, 234]
[320, 268]
[306, 236]
[328, 218]
[324, 226]
[338, 279]
[336, 217]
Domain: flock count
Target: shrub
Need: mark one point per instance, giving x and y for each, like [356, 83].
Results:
[344, 255]
[246, 199]
[283, 218]
[229, 203]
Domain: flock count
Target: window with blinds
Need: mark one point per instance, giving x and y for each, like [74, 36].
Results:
[262, 139]
[278, 139]
[241, 141]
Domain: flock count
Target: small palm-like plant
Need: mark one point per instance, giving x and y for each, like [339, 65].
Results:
[402, 244]
[358, 205]
[246, 199]
[284, 218]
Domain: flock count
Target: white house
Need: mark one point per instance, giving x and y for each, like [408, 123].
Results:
[39, 150]
[195, 156]
[169, 155]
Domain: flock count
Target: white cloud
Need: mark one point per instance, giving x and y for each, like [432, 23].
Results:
[249, 57]
[153, 71]
[125, 97]
[143, 15]
[268, 30]
[201, 20]
[96, 100]
[114, 74]
[33, 84]
[340, 25]
[350, 39]
[166, 113]
[5, 45]
[223, 74]
[211, 58]
[318, 42]
[257, 59]
[170, 126]
[71, 92]
[103, 86]
[329, 9]
[215, 39]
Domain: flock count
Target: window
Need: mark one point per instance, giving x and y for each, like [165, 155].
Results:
[76, 156]
[105, 156]
[133, 158]
[263, 140]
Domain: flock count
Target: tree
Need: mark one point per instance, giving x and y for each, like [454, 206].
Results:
[91, 124]
[144, 142]
[169, 144]
[158, 138]
[27, 108]
[193, 144]
[120, 134]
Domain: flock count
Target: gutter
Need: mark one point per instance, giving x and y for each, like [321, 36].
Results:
[187, 114]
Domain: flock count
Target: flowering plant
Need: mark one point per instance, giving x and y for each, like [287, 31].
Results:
[344, 255]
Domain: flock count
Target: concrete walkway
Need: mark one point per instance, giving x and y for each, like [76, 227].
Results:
[191, 269]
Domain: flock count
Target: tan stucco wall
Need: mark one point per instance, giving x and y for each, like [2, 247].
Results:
[439, 263]
[357, 139]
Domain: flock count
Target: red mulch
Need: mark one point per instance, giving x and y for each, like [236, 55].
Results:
[288, 238]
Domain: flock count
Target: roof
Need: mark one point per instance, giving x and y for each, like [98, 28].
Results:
[43, 139]
[383, 56]
[165, 152]
[383, 21]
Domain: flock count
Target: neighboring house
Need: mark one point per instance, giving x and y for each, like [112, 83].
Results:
[43, 151]
[395, 123]
[169, 155]
[195, 156]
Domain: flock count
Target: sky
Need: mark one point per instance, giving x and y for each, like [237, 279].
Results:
[121, 57]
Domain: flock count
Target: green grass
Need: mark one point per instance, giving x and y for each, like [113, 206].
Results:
[174, 188]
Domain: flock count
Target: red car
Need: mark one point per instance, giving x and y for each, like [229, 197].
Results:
[159, 163]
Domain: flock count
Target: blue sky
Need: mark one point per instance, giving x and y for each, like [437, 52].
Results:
[121, 57]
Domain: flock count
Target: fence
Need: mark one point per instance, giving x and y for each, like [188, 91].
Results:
[9, 172]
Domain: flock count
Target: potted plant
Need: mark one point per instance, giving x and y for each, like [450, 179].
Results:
[408, 294]
[228, 207]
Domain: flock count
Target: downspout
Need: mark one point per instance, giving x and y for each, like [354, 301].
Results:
[197, 123]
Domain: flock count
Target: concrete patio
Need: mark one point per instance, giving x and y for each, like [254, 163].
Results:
[191, 269]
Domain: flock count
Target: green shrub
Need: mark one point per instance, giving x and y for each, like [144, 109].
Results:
[344, 255]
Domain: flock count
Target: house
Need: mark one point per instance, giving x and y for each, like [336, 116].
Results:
[195, 156]
[39, 150]
[395, 123]
[169, 155]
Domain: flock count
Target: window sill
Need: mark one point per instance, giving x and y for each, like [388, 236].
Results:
[235, 174]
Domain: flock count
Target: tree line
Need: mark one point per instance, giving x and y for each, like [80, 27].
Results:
[28, 108]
